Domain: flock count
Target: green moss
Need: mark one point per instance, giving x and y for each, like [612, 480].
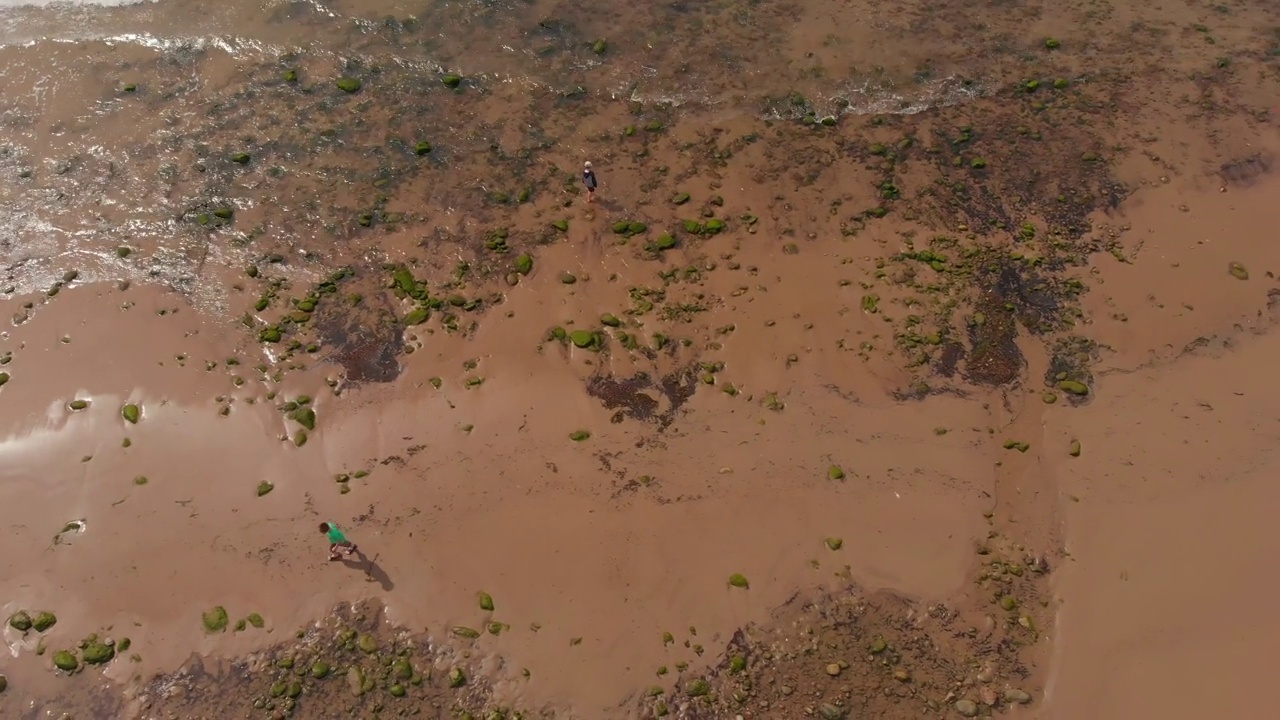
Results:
[215, 620]
[599, 46]
[665, 241]
[78, 404]
[457, 678]
[417, 317]
[465, 632]
[1073, 449]
[451, 80]
[1237, 271]
[486, 601]
[582, 338]
[256, 620]
[270, 334]
[422, 148]
[738, 580]
[524, 264]
[265, 487]
[610, 320]
[698, 688]
[4, 378]
[833, 543]
[240, 158]
[320, 670]
[300, 438]
[290, 75]
[713, 226]
[348, 84]
[835, 472]
[579, 435]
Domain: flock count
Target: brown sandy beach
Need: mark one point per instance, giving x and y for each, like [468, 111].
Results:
[886, 378]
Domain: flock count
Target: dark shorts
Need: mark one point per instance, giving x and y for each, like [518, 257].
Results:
[591, 190]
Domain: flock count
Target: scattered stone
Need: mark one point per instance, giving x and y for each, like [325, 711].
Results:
[833, 669]
[306, 417]
[739, 580]
[457, 678]
[1237, 271]
[320, 670]
[416, 317]
[348, 84]
[579, 435]
[355, 680]
[422, 148]
[486, 602]
[835, 472]
[466, 632]
[524, 264]
[132, 413]
[1016, 445]
[254, 619]
[265, 487]
[4, 683]
[240, 158]
[698, 688]
[78, 404]
[599, 47]
[827, 711]
[4, 378]
[967, 708]
[1073, 449]
[1016, 696]
[451, 80]
[1049, 398]
[215, 620]
[834, 543]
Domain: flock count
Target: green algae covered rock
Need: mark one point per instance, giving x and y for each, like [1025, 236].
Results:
[451, 80]
[65, 661]
[348, 84]
[306, 417]
[215, 620]
[738, 580]
[457, 678]
[524, 264]
[240, 158]
[835, 472]
[486, 601]
[44, 620]
[422, 148]
[98, 653]
[417, 317]
[1073, 387]
[20, 621]
[582, 338]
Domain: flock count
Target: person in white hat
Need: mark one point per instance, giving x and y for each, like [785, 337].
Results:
[589, 179]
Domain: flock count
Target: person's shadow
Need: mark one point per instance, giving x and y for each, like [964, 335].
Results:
[372, 570]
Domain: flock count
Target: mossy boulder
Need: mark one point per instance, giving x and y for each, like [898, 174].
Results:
[256, 621]
[582, 338]
[65, 661]
[422, 148]
[215, 620]
[4, 683]
[739, 580]
[20, 621]
[524, 264]
[486, 601]
[289, 76]
[98, 653]
[579, 435]
[835, 472]
[4, 378]
[465, 632]
[451, 80]
[241, 158]
[1073, 387]
[610, 320]
[306, 417]
[320, 670]
[712, 226]
[600, 46]
[44, 620]
[265, 487]
[665, 241]
[561, 225]
[348, 84]
[367, 644]
[457, 678]
[417, 317]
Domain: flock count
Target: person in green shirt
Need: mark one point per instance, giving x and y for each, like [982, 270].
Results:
[337, 541]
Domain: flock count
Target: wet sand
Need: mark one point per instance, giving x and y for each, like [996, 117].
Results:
[800, 391]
